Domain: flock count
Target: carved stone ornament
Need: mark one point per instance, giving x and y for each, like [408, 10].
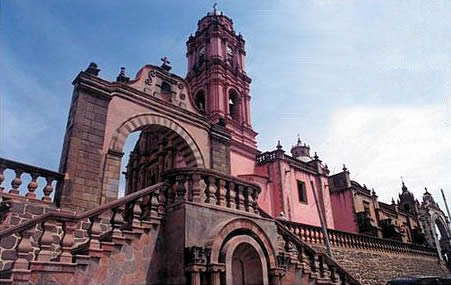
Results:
[151, 73]
[180, 85]
[197, 255]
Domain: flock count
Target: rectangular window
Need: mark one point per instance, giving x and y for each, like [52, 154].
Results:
[302, 193]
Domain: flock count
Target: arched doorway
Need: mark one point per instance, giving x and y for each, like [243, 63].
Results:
[246, 266]
[245, 262]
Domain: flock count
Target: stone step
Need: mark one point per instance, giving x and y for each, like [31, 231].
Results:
[107, 246]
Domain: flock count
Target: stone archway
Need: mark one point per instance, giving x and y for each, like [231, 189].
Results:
[245, 262]
[442, 237]
[113, 157]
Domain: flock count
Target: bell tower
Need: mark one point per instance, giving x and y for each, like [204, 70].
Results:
[219, 83]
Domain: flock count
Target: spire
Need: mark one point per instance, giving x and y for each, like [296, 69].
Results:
[279, 146]
[426, 191]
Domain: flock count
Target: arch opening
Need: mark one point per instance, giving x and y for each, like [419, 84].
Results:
[246, 266]
[200, 101]
[234, 105]
[176, 148]
[157, 150]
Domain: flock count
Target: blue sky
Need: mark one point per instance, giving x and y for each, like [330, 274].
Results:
[365, 83]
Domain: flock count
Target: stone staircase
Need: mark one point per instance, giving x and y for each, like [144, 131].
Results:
[368, 259]
[59, 246]
[117, 243]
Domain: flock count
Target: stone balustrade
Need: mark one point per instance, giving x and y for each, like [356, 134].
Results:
[320, 266]
[65, 237]
[21, 169]
[210, 187]
[314, 235]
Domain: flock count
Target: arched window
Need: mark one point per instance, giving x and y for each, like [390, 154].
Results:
[199, 100]
[201, 55]
[165, 87]
[234, 105]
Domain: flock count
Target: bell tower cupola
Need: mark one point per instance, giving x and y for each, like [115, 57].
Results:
[217, 77]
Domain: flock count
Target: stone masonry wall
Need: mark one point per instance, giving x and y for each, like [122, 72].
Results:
[132, 263]
[220, 149]
[81, 161]
[371, 267]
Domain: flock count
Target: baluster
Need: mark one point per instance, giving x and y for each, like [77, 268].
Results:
[16, 182]
[94, 235]
[161, 199]
[211, 190]
[23, 250]
[2, 177]
[189, 182]
[221, 193]
[48, 189]
[45, 243]
[313, 235]
[309, 235]
[117, 221]
[232, 195]
[333, 274]
[137, 212]
[32, 186]
[196, 189]
[180, 189]
[254, 200]
[250, 199]
[145, 206]
[68, 242]
[246, 198]
[302, 234]
[240, 199]
[171, 191]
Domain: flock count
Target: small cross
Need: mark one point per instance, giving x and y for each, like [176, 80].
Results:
[214, 6]
[165, 61]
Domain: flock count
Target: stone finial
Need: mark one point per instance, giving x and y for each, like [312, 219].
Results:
[93, 69]
[373, 193]
[316, 157]
[166, 64]
[392, 201]
[122, 77]
[344, 168]
[426, 191]
[279, 146]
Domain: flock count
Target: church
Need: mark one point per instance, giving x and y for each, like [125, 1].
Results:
[202, 204]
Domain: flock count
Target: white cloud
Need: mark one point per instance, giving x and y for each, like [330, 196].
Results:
[380, 144]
